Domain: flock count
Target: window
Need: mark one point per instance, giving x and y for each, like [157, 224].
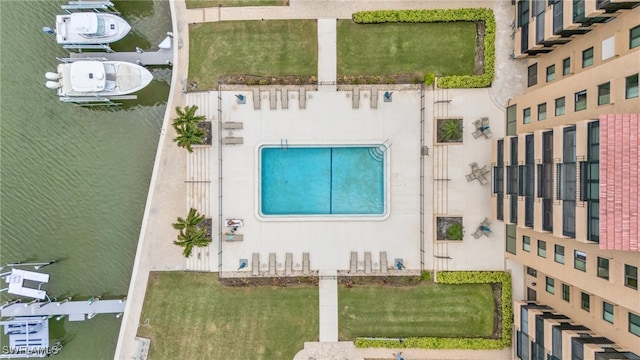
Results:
[580, 260]
[511, 240]
[634, 37]
[532, 72]
[585, 302]
[566, 66]
[526, 243]
[560, 106]
[603, 93]
[631, 276]
[581, 100]
[542, 248]
[550, 285]
[587, 57]
[526, 116]
[634, 324]
[558, 254]
[551, 73]
[566, 292]
[631, 87]
[542, 111]
[607, 311]
[603, 268]
[512, 120]
[608, 48]
[532, 272]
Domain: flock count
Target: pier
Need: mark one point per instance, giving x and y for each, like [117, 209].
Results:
[161, 57]
[76, 310]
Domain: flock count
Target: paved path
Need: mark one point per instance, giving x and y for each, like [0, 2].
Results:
[328, 293]
[327, 54]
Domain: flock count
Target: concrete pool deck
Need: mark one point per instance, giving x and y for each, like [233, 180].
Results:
[180, 181]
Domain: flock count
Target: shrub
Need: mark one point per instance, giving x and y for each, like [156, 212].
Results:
[429, 79]
[451, 130]
[459, 277]
[426, 275]
[455, 232]
[445, 15]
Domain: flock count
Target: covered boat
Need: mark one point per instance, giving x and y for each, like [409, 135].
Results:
[90, 28]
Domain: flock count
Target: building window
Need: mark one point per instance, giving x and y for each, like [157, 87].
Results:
[551, 73]
[560, 106]
[585, 302]
[566, 292]
[581, 100]
[634, 37]
[550, 285]
[607, 311]
[603, 93]
[526, 116]
[532, 272]
[608, 48]
[566, 66]
[511, 240]
[542, 248]
[542, 111]
[631, 276]
[631, 87]
[587, 57]
[532, 72]
[603, 268]
[580, 260]
[634, 324]
[526, 243]
[512, 120]
[558, 254]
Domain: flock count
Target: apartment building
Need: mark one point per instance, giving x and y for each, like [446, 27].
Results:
[566, 180]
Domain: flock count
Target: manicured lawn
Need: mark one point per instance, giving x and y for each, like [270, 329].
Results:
[405, 48]
[266, 48]
[192, 316]
[192, 4]
[430, 310]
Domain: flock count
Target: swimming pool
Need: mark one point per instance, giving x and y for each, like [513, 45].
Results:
[330, 180]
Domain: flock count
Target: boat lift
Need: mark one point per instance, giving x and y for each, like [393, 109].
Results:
[97, 6]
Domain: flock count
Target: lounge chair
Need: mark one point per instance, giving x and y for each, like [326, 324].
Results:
[256, 99]
[477, 234]
[383, 262]
[355, 98]
[483, 180]
[273, 100]
[272, 264]
[231, 140]
[374, 98]
[367, 262]
[305, 263]
[255, 264]
[284, 98]
[476, 134]
[302, 100]
[232, 125]
[487, 133]
[288, 264]
[486, 222]
[354, 262]
[233, 237]
[470, 177]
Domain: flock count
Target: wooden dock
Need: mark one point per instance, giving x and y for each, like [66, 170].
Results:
[162, 57]
[76, 310]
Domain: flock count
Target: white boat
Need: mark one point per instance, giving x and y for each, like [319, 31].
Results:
[83, 28]
[103, 79]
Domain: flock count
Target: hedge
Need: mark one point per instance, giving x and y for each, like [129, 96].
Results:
[445, 15]
[459, 277]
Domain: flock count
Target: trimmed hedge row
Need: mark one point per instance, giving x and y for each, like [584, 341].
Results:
[459, 277]
[446, 15]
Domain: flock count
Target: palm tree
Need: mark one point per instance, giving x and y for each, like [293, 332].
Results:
[187, 116]
[192, 221]
[188, 135]
[190, 238]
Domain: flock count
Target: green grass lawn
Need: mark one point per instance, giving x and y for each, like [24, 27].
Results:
[429, 310]
[405, 48]
[192, 4]
[265, 48]
[192, 316]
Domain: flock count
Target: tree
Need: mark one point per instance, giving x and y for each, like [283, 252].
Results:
[186, 125]
[191, 233]
[189, 239]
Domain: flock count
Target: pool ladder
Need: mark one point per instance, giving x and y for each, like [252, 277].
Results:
[284, 144]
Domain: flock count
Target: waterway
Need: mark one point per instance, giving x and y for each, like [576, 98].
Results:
[74, 180]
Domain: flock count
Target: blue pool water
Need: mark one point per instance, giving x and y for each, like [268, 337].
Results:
[322, 181]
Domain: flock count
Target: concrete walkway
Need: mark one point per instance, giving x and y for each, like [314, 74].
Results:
[327, 55]
[328, 293]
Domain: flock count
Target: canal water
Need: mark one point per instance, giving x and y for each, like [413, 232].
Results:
[74, 180]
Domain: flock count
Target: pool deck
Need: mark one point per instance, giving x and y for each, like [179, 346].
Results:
[225, 176]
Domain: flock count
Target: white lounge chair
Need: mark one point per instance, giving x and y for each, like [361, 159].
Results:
[272, 264]
[288, 264]
[367, 262]
[354, 262]
[255, 264]
[305, 264]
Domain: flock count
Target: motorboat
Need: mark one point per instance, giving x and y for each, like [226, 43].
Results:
[96, 78]
[85, 28]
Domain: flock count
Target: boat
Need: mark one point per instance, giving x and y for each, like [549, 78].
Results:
[91, 79]
[87, 28]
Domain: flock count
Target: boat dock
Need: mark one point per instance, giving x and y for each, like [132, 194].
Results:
[162, 57]
[76, 310]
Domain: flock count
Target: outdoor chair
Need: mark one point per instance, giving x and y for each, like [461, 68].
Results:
[232, 125]
[255, 264]
[476, 134]
[477, 234]
[487, 133]
[367, 262]
[306, 266]
[288, 264]
[232, 140]
[470, 177]
[354, 262]
[383, 262]
[272, 264]
[256, 99]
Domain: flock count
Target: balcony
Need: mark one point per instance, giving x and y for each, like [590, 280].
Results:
[611, 6]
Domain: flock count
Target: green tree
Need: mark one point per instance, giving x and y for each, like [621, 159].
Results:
[189, 239]
[186, 125]
[451, 130]
[192, 220]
